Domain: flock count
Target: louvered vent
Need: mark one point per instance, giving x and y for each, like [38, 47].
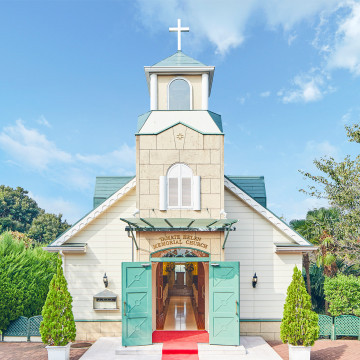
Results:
[173, 192]
[186, 192]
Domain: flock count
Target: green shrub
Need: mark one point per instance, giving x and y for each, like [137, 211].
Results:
[58, 325]
[299, 326]
[25, 274]
[343, 294]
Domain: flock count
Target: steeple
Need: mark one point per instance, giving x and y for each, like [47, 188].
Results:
[179, 82]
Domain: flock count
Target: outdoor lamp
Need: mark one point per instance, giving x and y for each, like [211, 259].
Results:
[105, 280]
[254, 281]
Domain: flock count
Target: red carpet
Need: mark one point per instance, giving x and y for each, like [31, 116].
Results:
[180, 345]
[174, 350]
[180, 336]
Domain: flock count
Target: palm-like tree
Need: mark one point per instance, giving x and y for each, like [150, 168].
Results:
[318, 228]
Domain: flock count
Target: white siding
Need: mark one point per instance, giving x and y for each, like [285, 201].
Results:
[253, 245]
[107, 247]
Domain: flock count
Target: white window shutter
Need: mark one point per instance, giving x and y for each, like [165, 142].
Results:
[186, 191]
[173, 191]
[163, 193]
[197, 193]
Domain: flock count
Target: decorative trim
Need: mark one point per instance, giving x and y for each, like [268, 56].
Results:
[180, 122]
[94, 213]
[279, 224]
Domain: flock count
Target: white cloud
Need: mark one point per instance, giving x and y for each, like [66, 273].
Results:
[223, 23]
[42, 121]
[116, 158]
[323, 148]
[346, 118]
[265, 94]
[291, 39]
[316, 150]
[32, 150]
[299, 209]
[71, 211]
[307, 88]
[345, 53]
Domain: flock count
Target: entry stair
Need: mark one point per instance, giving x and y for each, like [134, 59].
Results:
[181, 345]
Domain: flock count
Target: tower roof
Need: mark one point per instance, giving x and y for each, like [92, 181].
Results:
[179, 59]
[179, 64]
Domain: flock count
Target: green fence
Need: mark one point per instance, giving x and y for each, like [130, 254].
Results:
[343, 325]
[24, 327]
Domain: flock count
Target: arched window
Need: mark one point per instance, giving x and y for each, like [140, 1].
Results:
[179, 180]
[179, 189]
[179, 95]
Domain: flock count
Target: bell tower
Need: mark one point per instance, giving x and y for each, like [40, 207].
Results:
[179, 142]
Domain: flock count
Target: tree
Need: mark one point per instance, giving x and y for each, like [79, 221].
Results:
[299, 326]
[339, 184]
[47, 227]
[58, 325]
[17, 209]
[18, 212]
[318, 227]
[25, 274]
[343, 294]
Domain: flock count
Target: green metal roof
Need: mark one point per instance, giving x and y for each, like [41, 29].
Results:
[179, 59]
[181, 224]
[142, 120]
[105, 186]
[254, 186]
[217, 120]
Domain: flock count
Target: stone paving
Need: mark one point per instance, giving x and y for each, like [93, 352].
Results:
[325, 350]
[322, 350]
[30, 351]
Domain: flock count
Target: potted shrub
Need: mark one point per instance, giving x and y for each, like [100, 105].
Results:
[58, 326]
[299, 326]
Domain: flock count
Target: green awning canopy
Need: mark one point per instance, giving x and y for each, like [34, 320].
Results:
[178, 224]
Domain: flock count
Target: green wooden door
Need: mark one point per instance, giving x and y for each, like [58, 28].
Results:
[224, 303]
[136, 304]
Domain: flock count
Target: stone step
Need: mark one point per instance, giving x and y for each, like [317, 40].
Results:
[217, 350]
[154, 349]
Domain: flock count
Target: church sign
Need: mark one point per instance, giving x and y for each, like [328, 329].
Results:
[179, 240]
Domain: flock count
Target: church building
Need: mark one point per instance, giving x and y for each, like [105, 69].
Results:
[180, 245]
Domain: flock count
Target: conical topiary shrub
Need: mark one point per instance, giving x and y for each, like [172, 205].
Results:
[299, 326]
[58, 325]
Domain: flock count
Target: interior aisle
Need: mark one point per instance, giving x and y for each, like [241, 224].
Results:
[180, 315]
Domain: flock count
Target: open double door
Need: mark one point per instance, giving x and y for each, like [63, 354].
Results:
[224, 297]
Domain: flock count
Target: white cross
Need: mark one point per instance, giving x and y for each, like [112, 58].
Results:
[179, 29]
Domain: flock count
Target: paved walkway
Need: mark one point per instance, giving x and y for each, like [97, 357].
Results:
[325, 350]
[30, 351]
[106, 348]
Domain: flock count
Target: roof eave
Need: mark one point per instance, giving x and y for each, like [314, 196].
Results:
[294, 249]
[66, 249]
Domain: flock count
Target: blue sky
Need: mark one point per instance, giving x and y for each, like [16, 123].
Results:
[72, 84]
